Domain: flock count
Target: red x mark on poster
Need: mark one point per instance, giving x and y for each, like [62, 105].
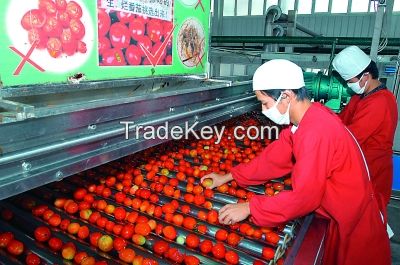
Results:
[199, 3]
[154, 59]
[200, 58]
[25, 58]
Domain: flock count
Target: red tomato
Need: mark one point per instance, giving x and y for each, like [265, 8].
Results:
[119, 213]
[5, 239]
[101, 222]
[133, 55]
[119, 243]
[233, 239]
[232, 257]
[74, 9]
[117, 229]
[160, 247]
[72, 207]
[48, 6]
[55, 244]
[82, 47]
[113, 57]
[189, 223]
[64, 224]
[127, 231]
[127, 255]
[192, 241]
[174, 255]
[15, 247]
[136, 29]
[169, 232]
[206, 246]
[34, 18]
[125, 17]
[55, 220]
[80, 193]
[154, 30]
[268, 253]
[37, 35]
[110, 225]
[54, 47]
[39, 210]
[145, 42]
[32, 259]
[218, 251]
[221, 235]
[52, 27]
[272, 237]
[61, 4]
[167, 28]
[42, 233]
[94, 238]
[202, 229]
[83, 232]
[79, 257]
[191, 260]
[143, 229]
[119, 35]
[77, 28]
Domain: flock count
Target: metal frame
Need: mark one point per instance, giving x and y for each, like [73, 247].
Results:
[72, 133]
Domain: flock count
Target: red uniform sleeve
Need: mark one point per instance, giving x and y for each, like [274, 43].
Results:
[274, 161]
[313, 154]
[367, 120]
[347, 113]
[342, 115]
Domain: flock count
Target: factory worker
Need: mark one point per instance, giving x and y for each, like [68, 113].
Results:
[329, 174]
[371, 116]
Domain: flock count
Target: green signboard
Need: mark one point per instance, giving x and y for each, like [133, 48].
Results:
[49, 41]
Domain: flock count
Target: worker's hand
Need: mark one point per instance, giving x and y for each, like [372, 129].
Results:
[234, 213]
[217, 179]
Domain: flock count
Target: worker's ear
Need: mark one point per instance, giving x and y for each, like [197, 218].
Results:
[288, 95]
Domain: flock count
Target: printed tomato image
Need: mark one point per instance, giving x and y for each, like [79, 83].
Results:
[57, 26]
[142, 39]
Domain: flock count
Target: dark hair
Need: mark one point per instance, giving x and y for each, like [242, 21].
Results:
[372, 69]
[301, 93]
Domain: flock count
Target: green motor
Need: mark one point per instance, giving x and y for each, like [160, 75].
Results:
[332, 91]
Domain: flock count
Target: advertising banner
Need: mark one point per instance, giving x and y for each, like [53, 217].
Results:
[50, 41]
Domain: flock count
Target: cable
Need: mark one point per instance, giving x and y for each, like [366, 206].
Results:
[248, 54]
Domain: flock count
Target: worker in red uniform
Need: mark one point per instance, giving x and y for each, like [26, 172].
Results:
[371, 116]
[329, 174]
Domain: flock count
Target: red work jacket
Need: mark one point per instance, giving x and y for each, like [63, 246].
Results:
[329, 176]
[372, 120]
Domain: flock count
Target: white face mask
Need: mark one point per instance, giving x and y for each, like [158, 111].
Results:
[356, 87]
[274, 115]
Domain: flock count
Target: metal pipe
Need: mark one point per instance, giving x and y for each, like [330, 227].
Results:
[397, 77]
[306, 30]
[300, 40]
[110, 133]
[331, 58]
[377, 32]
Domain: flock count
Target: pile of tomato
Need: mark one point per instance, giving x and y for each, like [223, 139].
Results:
[56, 26]
[121, 35]
[153, 202]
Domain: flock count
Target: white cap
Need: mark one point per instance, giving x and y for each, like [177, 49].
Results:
[278, 74]
[350, 62]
